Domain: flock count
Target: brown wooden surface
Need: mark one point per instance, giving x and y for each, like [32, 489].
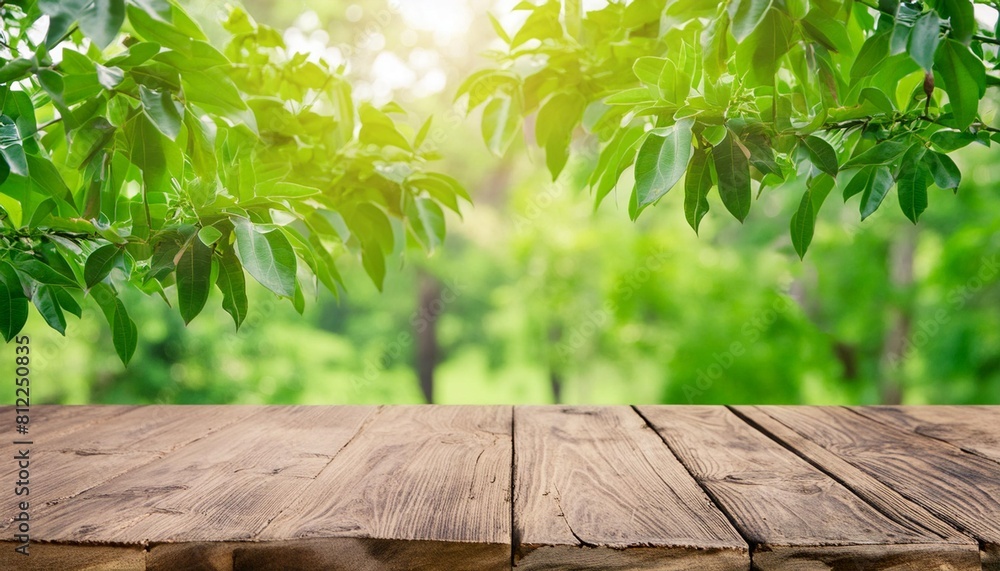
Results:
[419, 476]
[975, 429]
[488, 488]
[960, 488]
[595, 482]
[775, 498]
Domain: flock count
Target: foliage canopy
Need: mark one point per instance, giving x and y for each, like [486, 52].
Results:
[748, 95]
[137, 155]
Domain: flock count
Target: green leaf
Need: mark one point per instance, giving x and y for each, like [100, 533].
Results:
[881, 154]
[615, 158]
[68, 302]
[745, 16]
[944, 170]
[44, 274]
[100, 263]
[964, 80]
[146, 152]
[162, 110]
[924, 40]
[88, 140]
[212, 88]
[873, 52]
[827, 31]
[267, 256]
[961, 18]
[194, 270]
[209, 235]
[232, 283]
[13, 303]
[9, 204]
[949, 140]
[102, 20]
[500, 32]
[554, 128]
[15, 70]
[648, 69]
[631, 96]
[821, 154]
[373, 260]
[124, 333]
[45, 301]
[875, 190]
[766, 46]
[803, 225]
[697, 183]
[11, 148]
[501, 119]
[878, 98]
[912, 183]
[732, 166]
[427, 222]
[159, 30]
[109, 77]
[62, 14]
[661, 163]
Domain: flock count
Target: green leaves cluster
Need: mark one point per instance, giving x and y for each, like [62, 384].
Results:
[139, 156]
[748, 95]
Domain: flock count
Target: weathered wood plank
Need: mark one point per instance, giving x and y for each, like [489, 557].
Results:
[62, 557]
[225, 487]
[49, 422]
[960, 488]
[420, 476]
[975, 429]
[594, 488]
[868, 488]
[74, 461]
[789, 510]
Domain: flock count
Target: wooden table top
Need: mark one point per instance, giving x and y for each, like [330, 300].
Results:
[359, 488]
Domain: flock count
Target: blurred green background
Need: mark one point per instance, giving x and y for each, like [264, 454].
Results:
[537, 298]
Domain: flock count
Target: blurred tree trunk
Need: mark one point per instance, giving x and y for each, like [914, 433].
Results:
[425, 331]
[555, 368]
[894, 348]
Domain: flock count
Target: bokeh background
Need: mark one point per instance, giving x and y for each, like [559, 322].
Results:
[536, 297]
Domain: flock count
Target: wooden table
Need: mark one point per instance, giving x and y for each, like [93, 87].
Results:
[359, 488]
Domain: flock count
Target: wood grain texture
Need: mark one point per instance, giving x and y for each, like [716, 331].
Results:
[960, 488]
[595, 488]
[229, 488]
[868, 488]
[226, 486]
[62, 557]
[419, 475]
[73, 461]
[975, 429]
[788, 509]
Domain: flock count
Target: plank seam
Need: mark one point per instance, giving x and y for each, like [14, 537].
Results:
[917, 432]
[947, 519]
[945, 522]
[751, 545]
[368, 420]
[515, 537]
